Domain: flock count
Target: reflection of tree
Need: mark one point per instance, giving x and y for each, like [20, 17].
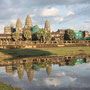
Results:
[49, 68]
[71, 62]
[20, 69]
[28, 65]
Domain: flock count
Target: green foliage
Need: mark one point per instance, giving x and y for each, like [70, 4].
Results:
[70, 34]
[43, 35]
[27, 34]
[48, 36]
[4, 86]
[61, 37]
[28, 65]
[16, 36]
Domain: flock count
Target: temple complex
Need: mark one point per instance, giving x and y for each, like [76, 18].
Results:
[31, 33]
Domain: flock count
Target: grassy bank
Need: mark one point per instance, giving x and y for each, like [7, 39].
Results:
[20, 53]
[4, 86]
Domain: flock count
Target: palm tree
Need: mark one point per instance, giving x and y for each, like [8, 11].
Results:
[70, 34]
[27, 34]
[16, 36]
[41, 35]
[48, 36]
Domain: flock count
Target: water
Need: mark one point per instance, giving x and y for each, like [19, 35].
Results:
[72, 73]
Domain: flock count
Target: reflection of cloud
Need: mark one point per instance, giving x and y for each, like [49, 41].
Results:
[2, 69]
[61, 74]
[52, 81]
[72, 79]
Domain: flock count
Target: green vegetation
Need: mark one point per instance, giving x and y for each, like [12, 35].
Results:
[70, 33]
[16, 36]
[21, 53]
[42, 35]
[27, 34]
[4, 86]
[48, 36]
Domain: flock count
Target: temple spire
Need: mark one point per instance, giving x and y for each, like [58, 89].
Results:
[47, 26]
[19, 26]
[28, 23]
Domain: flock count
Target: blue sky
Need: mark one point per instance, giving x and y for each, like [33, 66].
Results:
[62, 14]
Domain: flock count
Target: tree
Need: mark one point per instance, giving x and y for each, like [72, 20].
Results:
[27, 34]
[70, 34]
[61, 37]
[16, 36]
[48, 36]
[41, 34]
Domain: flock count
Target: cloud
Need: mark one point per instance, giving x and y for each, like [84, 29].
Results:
[62, 11]
[50, 12]
[70, 12]
[13, 21]
[58, 19]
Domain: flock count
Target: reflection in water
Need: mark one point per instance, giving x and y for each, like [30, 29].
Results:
[30, 66]
[49, 69]
[20, 69]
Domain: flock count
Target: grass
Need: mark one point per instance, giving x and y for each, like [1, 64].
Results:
[4, 86]
[20, 53]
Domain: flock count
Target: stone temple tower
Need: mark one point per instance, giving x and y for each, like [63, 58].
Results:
[47, 26]
[28, 22]
[19, 26]
[7, 30]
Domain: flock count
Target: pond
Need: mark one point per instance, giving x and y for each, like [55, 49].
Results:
[60, 73]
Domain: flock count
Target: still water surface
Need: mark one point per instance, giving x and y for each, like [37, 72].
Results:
[59, 74]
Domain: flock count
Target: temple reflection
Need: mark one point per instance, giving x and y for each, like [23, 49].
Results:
[32, 65]
[20, 70]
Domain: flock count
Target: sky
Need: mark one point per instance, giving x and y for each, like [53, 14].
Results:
[62, 14]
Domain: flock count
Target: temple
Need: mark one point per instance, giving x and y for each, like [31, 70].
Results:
[22, 32]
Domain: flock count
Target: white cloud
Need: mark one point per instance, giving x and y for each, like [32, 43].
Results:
[70, 12]
[13, 21]
[50, 12]
[58, 19]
